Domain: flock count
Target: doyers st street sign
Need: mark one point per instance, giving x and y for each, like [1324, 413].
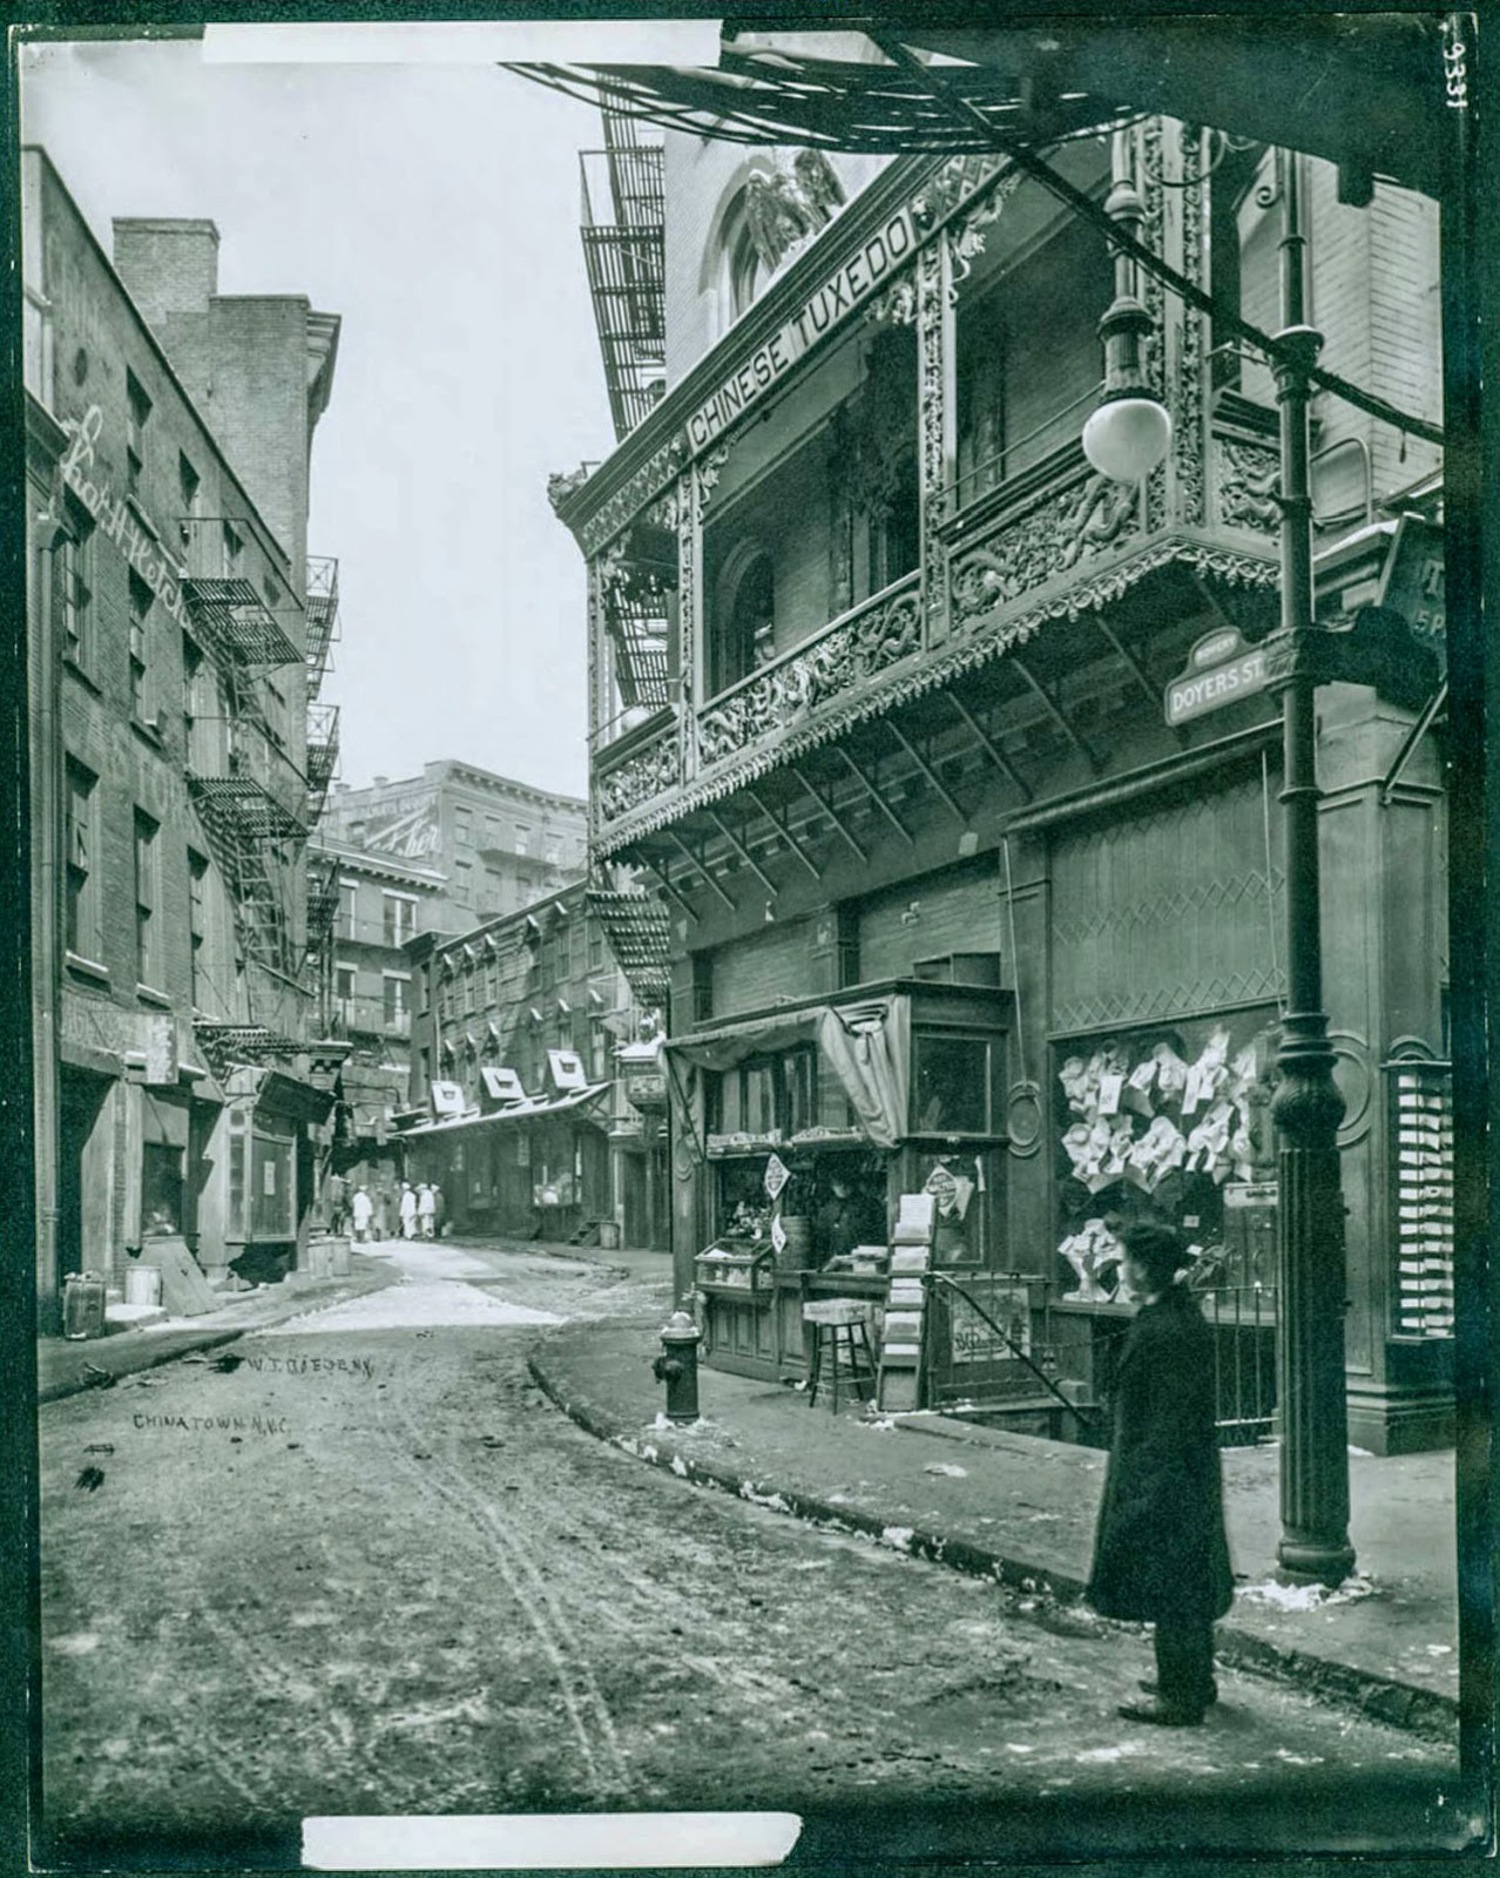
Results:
[1221, 669]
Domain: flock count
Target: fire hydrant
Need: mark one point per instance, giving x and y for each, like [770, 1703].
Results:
[677, 1366]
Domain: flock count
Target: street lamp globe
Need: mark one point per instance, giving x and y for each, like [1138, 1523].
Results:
[1125, 438]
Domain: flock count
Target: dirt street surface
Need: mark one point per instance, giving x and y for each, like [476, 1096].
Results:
[368, 1568]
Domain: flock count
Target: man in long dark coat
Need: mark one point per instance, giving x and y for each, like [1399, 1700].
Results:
[1160, 1553]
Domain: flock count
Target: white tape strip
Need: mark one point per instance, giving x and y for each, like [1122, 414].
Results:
[465, 42]
[546, 1841]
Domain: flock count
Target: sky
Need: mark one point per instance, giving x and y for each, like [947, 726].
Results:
[434, 206]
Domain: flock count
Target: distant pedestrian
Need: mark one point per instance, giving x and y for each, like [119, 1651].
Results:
[382, 1214]
[334, 1193]
[426, 1210]
[1160, 1552]
[439, 1211]
[364, 1212]
[408, 1210]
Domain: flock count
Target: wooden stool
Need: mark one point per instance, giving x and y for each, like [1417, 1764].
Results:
[840, 1331]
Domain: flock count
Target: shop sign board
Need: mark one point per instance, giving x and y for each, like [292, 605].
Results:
[777, 1175]
[145, 1042]
[1412, 583]
[1221, 669]
[120, 518]
[971, 1339]
[894, 242]
[778, 1233]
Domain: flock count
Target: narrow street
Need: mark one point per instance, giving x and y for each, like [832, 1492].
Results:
[367, 1567]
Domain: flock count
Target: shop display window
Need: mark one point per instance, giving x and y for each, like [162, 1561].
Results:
[772, 1098]
[1170, 1124]
[968, 1228]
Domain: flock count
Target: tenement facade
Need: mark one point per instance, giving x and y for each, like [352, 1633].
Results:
[174, 773]
[499, 844]
[956, 766]
[534, 1128]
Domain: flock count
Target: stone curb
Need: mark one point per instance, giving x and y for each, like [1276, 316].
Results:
[173, 1345]
[1397, 1704]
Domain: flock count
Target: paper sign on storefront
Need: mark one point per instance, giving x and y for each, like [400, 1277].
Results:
[777, 1175]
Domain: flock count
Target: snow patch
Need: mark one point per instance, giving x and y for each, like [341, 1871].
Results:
[749, 1491]
[80, 1643]
[679, 1467]
[1122, 1751]
[880, 1423]
[1311, 1597]
[1299, 1760]
[900, 1537]
[950, 1468]
[411, 1304]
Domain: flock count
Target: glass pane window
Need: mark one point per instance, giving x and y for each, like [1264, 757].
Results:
[399, 918]
[81, 905]
[145, 898]
[759, 1097]
[161, 1190]
[951, 1078]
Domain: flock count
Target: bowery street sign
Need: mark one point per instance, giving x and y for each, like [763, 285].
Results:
[1221, 669]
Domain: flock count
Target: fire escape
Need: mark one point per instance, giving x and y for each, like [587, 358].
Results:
[250, 796]
[624, 248]
[322, 765]
[322, 717]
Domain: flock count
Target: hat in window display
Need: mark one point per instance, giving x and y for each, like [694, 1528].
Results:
[1117, 1156]
[1136, 1095]
[1208, 1144]
[1171, 1073]
[1078, 1146]
[1073, 1077]
[1158, 1152]
[1087, 1250]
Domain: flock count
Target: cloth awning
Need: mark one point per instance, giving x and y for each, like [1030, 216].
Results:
[866, 1042]
[164, 1123]
[533, 1108]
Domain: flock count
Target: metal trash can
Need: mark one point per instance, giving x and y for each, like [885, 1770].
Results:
[143, 1284]
[83, 1305]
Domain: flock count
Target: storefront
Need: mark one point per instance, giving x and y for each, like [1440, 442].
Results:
[536, 1168]
[808, 1122]
[263, 1173]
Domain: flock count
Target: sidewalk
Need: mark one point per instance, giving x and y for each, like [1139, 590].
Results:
[1021, 1510]
[66, 1368]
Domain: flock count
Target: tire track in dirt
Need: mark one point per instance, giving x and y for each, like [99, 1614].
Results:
[592, 1725]
[273, 1674]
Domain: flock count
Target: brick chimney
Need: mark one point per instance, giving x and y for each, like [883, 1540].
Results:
[167, 266]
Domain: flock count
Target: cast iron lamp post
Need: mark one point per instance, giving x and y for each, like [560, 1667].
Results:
[1307, 1105]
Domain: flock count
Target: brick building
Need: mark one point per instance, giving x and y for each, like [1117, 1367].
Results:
[173, 647]
[910, 719]
[378, 904]
[515, 1031]
[499, 844]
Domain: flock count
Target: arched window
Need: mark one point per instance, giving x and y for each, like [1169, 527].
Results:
[745, 627]
[746, 269]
